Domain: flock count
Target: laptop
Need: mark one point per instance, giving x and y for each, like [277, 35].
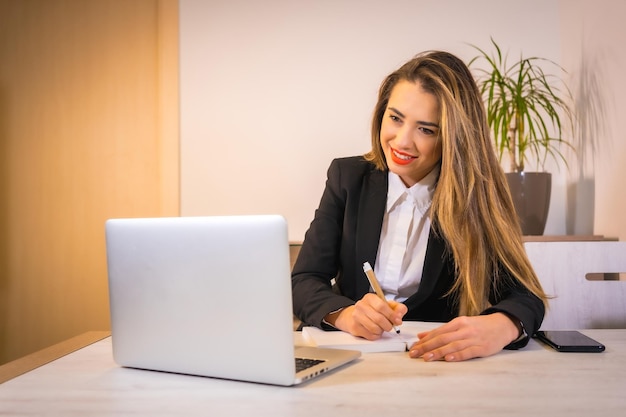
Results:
[208, 296]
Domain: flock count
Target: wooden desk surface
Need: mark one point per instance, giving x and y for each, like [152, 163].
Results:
[533, 381]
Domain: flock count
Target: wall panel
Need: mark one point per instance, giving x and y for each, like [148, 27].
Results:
[87, 132]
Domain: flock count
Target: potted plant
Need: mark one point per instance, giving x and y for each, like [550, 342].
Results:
[526, 110]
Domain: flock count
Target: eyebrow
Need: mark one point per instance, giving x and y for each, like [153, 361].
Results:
[421, 122]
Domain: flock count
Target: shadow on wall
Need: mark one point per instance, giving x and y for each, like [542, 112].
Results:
[590, 131]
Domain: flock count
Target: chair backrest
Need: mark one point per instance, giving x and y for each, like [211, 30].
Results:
[583, 278]
[294, 250]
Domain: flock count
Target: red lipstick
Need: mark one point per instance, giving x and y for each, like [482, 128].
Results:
[401, 158]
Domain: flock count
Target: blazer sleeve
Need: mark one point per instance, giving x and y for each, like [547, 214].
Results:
[513, 299]
[329, 248]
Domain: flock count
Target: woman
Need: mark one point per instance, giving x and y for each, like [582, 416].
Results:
[430, 209]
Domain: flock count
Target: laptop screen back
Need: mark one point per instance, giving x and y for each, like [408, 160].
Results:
[202, 295]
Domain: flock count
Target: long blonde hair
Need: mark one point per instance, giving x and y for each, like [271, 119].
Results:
[472, 207]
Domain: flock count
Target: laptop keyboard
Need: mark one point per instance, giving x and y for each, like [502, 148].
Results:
[304, 363]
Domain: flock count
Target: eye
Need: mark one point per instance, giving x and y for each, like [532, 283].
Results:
[427, 131]
[395, 118]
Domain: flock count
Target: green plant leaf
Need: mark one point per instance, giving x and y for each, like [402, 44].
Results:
[524, 105]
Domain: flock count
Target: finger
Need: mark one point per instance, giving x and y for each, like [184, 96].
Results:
[462, 355]
[399, 310]
[378, 304]
[448, 327]
[371, 319]
[423, 335]
[455, 325]
[435, 346]
[349, 321]
[364, 332]
[457, 350]
[382, 314]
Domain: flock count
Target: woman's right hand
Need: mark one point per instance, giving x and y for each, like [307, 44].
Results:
[369, 317]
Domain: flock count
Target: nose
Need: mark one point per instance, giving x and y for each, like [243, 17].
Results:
[404, 137]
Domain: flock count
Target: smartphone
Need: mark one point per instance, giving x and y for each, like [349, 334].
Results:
[569, 341]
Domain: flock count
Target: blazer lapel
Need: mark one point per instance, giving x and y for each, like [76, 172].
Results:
[433, 264]
[372, 203]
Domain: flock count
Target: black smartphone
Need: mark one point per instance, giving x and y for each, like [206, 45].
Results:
[569, 341]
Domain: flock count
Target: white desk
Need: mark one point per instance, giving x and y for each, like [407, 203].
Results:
[533, 381]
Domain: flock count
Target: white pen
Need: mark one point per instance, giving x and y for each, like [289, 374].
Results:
[371, 277]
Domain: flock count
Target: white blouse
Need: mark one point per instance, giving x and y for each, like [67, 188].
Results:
[404, 236]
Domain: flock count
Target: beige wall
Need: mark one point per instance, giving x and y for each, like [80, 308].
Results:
[88, 131]
[290, 86]
[272, 91]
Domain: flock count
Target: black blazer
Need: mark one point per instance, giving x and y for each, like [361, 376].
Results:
[345, 232]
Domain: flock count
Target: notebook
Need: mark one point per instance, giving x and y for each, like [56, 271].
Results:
[207, 296]
[389, 342]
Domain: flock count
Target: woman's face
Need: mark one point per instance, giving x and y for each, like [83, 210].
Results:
[409, 132]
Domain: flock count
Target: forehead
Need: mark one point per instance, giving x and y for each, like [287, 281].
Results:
[411, 99]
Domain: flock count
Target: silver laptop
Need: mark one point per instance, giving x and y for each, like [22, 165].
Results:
[208, 296]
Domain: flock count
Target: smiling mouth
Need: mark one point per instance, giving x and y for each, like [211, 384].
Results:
[401, 158]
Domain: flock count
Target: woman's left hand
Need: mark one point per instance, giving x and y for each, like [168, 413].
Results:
[466, 338]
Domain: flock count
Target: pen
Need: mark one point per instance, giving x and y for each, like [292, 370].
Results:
[371, 277]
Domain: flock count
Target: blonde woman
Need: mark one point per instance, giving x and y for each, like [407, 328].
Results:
[428, 207]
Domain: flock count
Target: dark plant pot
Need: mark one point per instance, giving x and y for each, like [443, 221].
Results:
[531, 197]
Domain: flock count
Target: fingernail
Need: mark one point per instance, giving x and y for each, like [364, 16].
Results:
[428, 356]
